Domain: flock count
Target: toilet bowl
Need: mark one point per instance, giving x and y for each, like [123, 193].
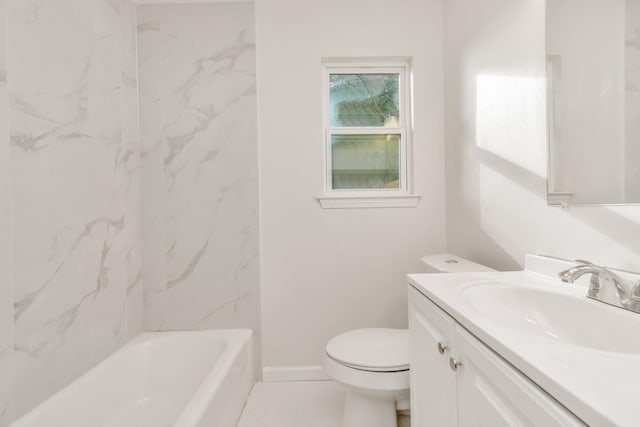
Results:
[373, 364]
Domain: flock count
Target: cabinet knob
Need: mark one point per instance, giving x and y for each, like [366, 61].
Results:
[441, 348]
[454, 364]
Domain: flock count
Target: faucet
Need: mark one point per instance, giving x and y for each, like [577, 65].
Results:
[629, 300]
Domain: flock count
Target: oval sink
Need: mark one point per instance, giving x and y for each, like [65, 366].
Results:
[568, 318]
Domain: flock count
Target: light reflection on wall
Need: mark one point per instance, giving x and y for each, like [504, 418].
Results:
[510, 120]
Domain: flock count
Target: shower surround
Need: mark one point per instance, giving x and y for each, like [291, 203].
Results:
[106, 228]
[200, 166]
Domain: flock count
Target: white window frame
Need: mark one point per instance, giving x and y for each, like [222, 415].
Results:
[374, 197]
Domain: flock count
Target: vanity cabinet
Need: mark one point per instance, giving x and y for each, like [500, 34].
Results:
[433, 384]
[456, 380]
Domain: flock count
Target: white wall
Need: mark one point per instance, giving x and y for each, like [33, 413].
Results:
[327, 271]
[496, 206]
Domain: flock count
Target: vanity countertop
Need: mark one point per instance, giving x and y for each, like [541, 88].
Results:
[586, 364]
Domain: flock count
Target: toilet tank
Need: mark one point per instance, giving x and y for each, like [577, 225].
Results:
[447, 263]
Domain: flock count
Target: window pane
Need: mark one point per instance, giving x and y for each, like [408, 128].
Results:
[364, 100]
[365, 161]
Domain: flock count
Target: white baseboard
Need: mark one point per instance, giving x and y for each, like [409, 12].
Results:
[293, 373]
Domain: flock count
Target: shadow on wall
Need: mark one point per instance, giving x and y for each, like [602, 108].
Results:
[533, 183]
[470, 239]
[617, 224]
[510, 142]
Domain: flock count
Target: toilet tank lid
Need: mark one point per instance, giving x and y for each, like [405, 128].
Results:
[448, 263]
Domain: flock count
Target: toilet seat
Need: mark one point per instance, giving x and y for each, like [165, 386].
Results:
[371, 349]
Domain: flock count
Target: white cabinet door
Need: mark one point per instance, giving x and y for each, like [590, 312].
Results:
[433, 383]
[491, 393]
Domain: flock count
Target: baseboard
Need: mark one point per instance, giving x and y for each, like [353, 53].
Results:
[293, 373]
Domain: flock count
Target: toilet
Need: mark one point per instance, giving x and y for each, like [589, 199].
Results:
[373, 363]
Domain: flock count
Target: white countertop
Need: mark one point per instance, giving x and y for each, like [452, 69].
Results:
[601, 388]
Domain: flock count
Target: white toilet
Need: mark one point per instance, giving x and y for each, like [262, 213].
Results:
[373, 363]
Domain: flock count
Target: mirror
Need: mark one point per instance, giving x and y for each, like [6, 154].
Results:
[593, 101]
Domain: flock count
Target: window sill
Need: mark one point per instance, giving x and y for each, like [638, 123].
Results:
[359, 202]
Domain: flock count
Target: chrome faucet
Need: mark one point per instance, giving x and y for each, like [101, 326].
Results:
[601, 276]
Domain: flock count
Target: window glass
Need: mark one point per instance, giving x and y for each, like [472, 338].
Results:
[365, 161]
[364, 100]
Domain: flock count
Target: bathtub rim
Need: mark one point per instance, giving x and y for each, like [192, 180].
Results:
[194, 411]
[237, 340]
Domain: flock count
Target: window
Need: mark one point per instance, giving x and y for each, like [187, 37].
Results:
[367, 145]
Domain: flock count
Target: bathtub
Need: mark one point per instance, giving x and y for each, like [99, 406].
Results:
[173, 379]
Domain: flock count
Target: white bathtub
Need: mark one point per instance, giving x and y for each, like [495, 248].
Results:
[176, 379]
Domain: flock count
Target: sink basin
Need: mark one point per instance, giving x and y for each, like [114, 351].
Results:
[565, 317]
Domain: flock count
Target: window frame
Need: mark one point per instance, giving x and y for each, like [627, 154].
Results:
[402, 196]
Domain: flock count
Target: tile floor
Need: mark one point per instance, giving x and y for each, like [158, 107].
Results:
[297, 404]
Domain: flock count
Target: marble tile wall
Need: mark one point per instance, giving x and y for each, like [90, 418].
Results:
[131, 170]
[632, 99]
[6, 289]
[199, 165]
[74, 171]
[75, 192]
